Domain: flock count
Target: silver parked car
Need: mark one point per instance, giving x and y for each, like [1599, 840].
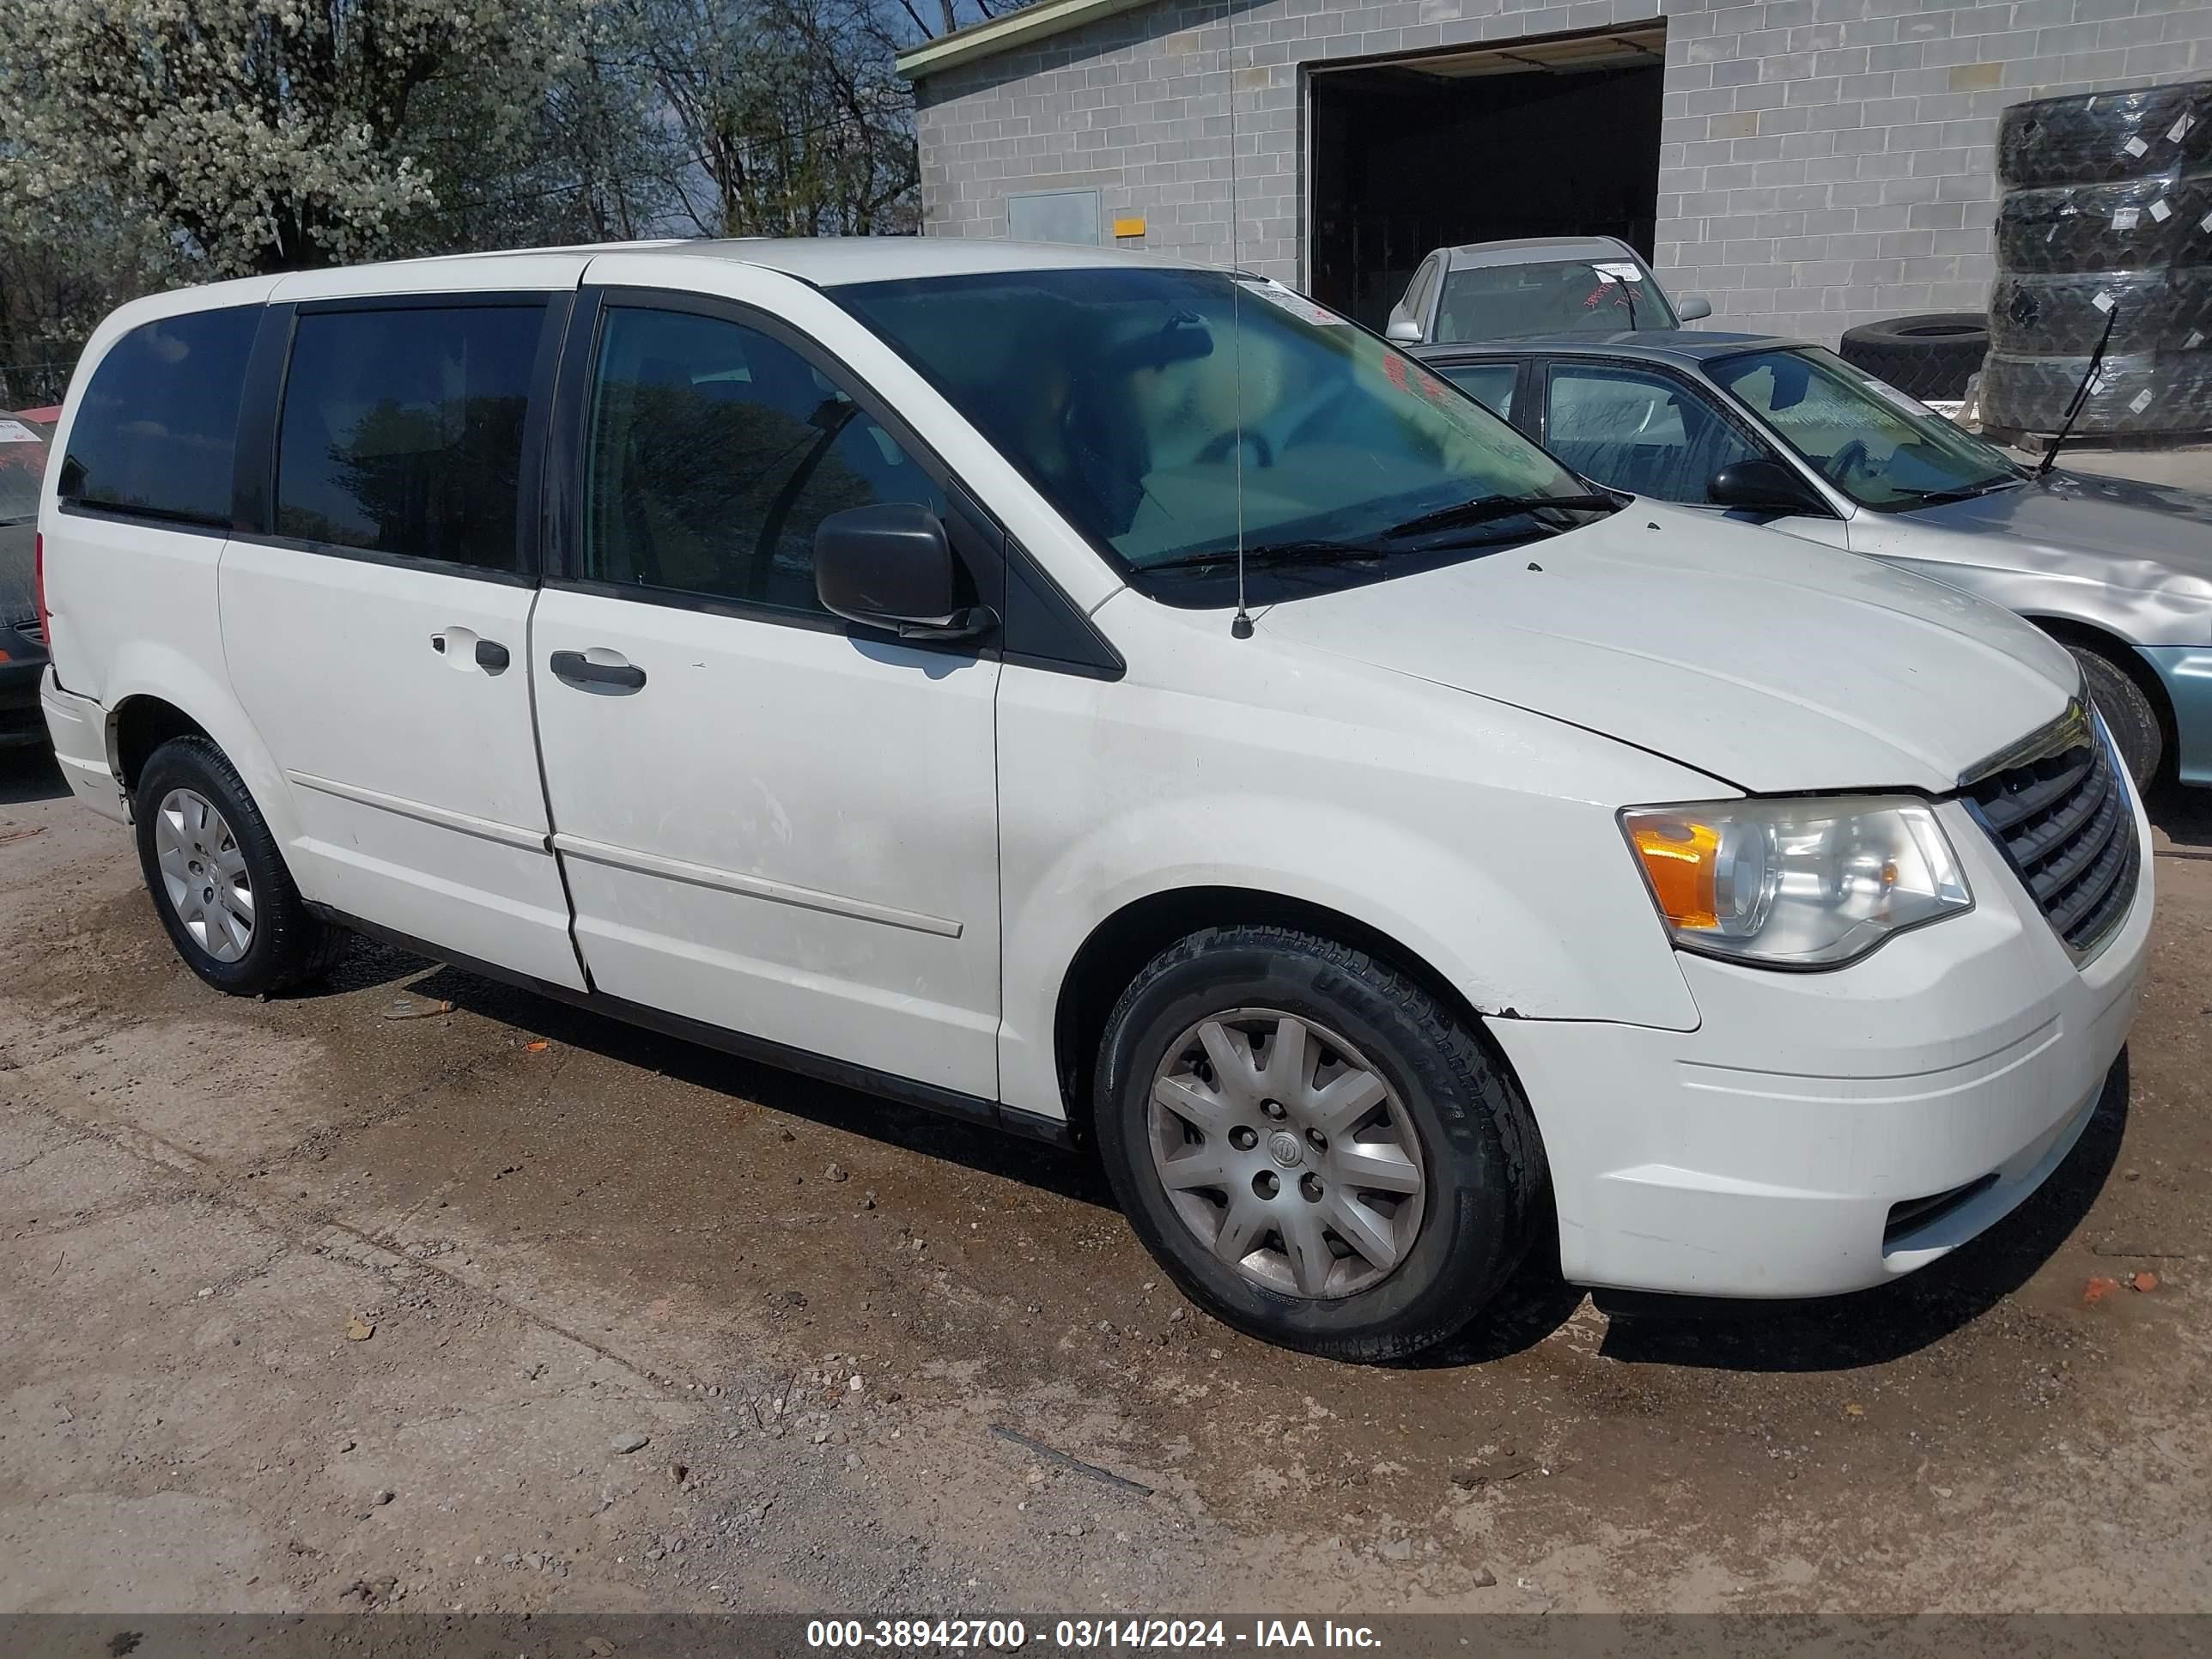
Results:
[1792, 437]
[1537, 285]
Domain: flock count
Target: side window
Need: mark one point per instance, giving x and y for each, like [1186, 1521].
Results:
[156, 426]
[402, 431]
[713, 451]
[1639, 431]
[1490, 385]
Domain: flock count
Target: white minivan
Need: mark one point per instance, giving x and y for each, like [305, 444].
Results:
[840, 653]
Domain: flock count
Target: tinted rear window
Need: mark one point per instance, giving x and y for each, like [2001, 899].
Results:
[155, 430]
[402, 431]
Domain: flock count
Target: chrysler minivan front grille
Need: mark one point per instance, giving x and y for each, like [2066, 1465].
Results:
[2058, 807]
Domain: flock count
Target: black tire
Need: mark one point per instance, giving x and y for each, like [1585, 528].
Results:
[1931, 356]
[2145, 224]
[289, 944]
[1482, 1159]
[2065, 316]
[2096, 138]
[2130, 715]
[2167, 397]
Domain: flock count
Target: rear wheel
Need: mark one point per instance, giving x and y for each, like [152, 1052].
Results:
[218, 883]
[2129, 714]
[1315, 1150]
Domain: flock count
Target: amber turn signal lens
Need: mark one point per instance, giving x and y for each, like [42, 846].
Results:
[1680, 857]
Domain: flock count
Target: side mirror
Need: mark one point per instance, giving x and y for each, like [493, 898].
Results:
[1693, 308]
[890, 566]
[1402, 331]
[1764, 485]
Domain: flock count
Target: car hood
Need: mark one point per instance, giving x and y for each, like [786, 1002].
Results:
[2140, 536]
[1770, 663]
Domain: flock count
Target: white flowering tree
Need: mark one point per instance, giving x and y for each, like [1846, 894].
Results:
[259, 135]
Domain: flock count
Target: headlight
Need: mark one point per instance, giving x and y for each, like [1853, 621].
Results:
[1796, 884]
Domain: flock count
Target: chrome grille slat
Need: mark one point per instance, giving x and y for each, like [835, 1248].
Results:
[2060, 810]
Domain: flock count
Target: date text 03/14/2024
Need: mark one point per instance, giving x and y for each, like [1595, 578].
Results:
[1010, 1635]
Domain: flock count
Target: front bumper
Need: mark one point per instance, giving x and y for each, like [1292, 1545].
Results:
[1788, 1145]
[22, 666]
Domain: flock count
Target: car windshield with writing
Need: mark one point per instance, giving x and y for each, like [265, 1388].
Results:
[1883, 448]
[1169, 413]
[1549, 296]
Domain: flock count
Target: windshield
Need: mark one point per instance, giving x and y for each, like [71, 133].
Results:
[22, 466]
[1559, 296]
[1880, 447]
[1142, 401]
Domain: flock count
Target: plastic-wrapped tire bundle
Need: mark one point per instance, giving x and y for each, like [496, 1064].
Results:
[2107, 216]
[2166, 397]
[2101, 138]
[2143, 224]
[2064, 316]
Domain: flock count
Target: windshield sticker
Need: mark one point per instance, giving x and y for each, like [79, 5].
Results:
[14, 432]
[1904, 400]
[1305, 310]
[2126, 218]
[1619, 268]
[1411, 377]
[2141, 401]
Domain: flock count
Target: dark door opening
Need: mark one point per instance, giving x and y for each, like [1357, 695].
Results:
[1535, 139]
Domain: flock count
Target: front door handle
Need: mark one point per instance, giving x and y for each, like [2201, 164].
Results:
[575, 668]
[460, 647]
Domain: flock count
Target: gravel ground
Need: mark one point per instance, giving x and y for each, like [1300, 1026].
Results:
[500, 1306]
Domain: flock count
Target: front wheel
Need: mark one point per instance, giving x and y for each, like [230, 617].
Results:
[1316, 1149]
[217, 880]
[2128, 715]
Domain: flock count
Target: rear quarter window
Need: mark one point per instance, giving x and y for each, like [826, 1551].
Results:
[158, 423]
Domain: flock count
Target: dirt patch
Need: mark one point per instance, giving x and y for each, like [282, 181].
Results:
[820, 1312]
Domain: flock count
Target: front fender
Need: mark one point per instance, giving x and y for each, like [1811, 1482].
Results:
[1480, 858]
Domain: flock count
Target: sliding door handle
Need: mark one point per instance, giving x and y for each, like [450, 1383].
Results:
[575, 668]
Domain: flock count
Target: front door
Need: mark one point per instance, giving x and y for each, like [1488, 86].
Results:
[771, 821]
[377, 639]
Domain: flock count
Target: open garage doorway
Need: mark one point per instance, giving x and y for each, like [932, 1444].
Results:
[1553, 137]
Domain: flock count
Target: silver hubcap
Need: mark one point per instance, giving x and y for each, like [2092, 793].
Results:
[204, 873]
[1285, 1153]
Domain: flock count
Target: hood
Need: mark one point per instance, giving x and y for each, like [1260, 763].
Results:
[2144, 537]
[1773, 663]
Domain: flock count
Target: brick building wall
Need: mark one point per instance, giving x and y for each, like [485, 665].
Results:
[1822, 163]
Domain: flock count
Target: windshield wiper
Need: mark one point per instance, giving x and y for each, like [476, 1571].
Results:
[1964, 492]
[1278, 554]
[1487, 508]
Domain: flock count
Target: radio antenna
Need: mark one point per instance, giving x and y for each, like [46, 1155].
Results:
[1241, 627]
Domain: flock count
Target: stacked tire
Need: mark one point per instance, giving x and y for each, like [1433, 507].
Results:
[2107, 218]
